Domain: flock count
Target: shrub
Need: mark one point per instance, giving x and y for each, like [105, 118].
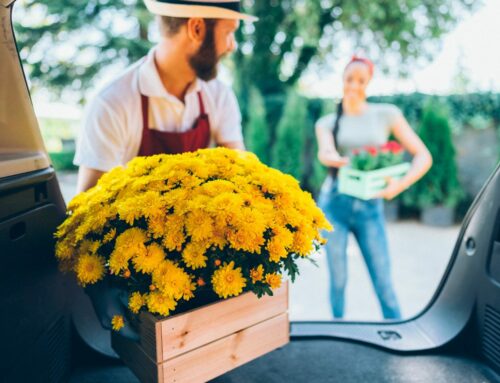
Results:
[440, 186]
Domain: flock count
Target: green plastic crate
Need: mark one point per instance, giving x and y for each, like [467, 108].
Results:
[365, 184]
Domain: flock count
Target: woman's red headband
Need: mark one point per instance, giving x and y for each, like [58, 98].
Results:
[367, 62]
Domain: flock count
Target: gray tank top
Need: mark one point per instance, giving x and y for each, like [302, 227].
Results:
[372, 127]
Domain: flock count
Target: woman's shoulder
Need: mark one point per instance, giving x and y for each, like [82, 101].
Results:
[388, 112]
[326, 122]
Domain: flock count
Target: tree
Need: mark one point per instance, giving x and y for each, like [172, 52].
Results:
[461, 80]
[256, 130]
[66, 43]
[288, 152]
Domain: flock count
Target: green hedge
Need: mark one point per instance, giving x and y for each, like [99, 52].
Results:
[476, 111]
[464, 110]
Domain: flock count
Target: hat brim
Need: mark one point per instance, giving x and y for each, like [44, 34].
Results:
[190, 11]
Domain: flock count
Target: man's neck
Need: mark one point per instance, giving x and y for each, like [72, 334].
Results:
[173, 67]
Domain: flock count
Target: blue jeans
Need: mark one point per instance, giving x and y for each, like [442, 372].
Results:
[365, 219]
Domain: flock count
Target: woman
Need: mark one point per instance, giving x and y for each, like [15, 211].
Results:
[356, 124]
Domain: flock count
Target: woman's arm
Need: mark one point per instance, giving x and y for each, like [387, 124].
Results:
[422, 159]
[327, 152]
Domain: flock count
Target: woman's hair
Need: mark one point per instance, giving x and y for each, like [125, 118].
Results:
[363, 60]
[340, 111]
[336, 125]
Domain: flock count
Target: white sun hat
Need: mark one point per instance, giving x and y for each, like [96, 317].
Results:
[207, 9]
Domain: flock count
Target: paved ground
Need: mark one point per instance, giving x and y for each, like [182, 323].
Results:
[419, 255]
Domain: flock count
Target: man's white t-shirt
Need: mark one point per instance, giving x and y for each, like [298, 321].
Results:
[112, 130]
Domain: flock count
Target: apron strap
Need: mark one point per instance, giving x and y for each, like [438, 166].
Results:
[202, 107]
[145, 111]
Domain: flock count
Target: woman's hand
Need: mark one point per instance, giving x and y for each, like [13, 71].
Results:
[333, 159]
[393, 189]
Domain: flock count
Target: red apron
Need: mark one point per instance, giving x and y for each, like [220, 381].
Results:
[157, 142]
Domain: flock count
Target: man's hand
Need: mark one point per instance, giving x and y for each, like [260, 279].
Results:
[110, 301]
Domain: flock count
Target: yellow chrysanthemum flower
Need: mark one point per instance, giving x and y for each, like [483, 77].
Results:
[303, 241]
[140, 217]
[110, 235]
[89, 247]
[228, 281]
[199, 225]
[148, 261]
[160, 304]
[128, 244]
[128, 210]
[118, 261]
[136, 302]
[273, 280]
[174, 233]
[89, 269]
[64, 250]
[279, 245]
[194, 255]
[117, 322]
[172, 280]
[257, 274]
[157, 226]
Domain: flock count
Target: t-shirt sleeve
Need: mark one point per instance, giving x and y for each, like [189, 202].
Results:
[326, 122]
[391, 114]
[228, 127]
[100, 144]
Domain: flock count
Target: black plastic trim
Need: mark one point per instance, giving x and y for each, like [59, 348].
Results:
[26, 179]
[450, 308]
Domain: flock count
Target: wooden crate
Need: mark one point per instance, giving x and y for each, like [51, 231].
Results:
[365, 184]
[204, 343]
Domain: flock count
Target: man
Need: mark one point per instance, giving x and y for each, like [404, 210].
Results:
[168, 102]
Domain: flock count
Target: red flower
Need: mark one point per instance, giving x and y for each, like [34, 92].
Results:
[355, 152]
[395, 147]
[372, 150]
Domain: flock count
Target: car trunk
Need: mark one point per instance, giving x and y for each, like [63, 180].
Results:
[33, 294]
[35, 320]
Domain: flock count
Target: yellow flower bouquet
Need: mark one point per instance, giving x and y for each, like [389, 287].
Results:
[170, 228]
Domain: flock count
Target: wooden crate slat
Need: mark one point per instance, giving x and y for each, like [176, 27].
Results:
[150, 333]
[134, 356]
[225, 354]
[184, 332]
[208, 361]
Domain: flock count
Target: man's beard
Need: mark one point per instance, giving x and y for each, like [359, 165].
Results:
[204, 62]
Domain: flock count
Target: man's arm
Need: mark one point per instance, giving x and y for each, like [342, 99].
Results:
[101, 141]
[238, 145]
[87, 178]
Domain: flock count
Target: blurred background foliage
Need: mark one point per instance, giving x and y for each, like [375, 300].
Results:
[67, 43]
